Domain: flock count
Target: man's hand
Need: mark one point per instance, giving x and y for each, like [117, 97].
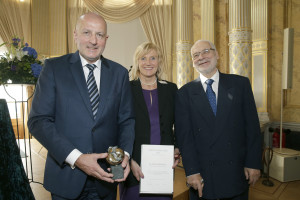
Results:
[88, 163]
[252, 175]
[126, 166]
[195, 181]
[176, 157]
[136, 170]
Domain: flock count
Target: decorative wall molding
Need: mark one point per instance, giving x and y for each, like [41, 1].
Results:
[259, 46]
[240, 57]
[184, 64]
[263, 117]
[240, 36]
[184, 39]
[183, 46]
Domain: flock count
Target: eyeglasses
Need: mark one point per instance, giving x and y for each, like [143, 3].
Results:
[88, 34]
[203, 53]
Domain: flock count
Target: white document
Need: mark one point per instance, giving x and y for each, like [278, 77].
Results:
[156, 165]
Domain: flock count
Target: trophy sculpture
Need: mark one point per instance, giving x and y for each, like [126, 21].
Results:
[115, 158]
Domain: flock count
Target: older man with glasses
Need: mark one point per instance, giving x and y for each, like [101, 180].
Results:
[217, 130]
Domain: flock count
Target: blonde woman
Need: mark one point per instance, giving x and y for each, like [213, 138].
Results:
[154, 108]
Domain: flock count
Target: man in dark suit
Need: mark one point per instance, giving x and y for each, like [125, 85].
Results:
[82, 105]
[217, 130]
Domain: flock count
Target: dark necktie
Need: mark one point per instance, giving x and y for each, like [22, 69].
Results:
[211, 95]
[93, 90]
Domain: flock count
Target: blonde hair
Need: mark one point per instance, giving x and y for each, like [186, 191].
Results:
[141, 51]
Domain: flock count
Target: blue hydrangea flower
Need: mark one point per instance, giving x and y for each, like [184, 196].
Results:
[36, 69]
[15, 41]
[31, 51]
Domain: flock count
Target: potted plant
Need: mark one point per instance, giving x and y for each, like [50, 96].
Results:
[19, 65]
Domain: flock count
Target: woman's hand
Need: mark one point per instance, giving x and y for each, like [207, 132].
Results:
[136, 170]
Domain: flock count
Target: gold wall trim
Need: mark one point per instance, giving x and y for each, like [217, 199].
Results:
[240, 36]
[259, 46]
[240, 29]
[260, 76]
[183, 47]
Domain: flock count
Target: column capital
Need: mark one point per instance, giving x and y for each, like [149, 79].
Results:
[240, 36]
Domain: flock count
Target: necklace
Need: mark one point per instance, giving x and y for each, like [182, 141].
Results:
[148, 83]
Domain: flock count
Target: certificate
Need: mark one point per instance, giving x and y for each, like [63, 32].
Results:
[156, 165]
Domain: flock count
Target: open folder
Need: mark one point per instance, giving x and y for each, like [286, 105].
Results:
[156, 165]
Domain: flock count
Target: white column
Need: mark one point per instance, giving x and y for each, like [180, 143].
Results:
[240, 45]
[208, 20]
[184, 40]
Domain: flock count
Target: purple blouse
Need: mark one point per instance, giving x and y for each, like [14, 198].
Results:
[153, 112]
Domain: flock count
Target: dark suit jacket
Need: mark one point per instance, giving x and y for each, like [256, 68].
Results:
[219, 147]
[166, 103]
[61, 119]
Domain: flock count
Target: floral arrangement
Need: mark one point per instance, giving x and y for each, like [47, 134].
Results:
[20, 64]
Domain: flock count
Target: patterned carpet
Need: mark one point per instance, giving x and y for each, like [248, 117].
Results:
[280, 191]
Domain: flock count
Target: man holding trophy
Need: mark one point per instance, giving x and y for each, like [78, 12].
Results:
[82, 106]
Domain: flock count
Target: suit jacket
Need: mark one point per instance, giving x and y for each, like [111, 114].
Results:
[219, 147]
[166, 103]
[61, 120]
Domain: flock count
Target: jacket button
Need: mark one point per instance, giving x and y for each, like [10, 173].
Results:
[230, 162]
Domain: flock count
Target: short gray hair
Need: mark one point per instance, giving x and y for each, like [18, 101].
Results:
[210, 43]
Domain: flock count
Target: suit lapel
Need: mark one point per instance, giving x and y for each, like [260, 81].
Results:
[105, 86]
[78, 74]
[226, 96]
[139, 97]
[201, 102]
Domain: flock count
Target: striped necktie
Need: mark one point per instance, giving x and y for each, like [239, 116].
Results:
[93, 90]
[211, 95]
